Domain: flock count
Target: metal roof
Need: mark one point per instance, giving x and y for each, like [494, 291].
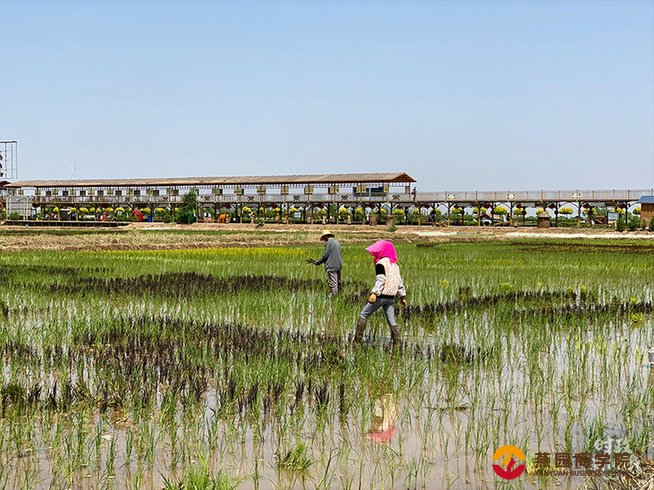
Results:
[363, 178]
[647, 199]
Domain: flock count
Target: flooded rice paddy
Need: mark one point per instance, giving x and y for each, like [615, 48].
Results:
[169, 369]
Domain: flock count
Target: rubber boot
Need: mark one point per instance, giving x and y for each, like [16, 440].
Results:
[395, 335]
[361, 327]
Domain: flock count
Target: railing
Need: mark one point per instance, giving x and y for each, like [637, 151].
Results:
[349, 198]
[533, 196]
[81, 200]
[223, 198]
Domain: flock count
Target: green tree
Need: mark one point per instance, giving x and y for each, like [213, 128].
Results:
[186, 212]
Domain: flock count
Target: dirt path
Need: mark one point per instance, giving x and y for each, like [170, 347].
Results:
[159, 236]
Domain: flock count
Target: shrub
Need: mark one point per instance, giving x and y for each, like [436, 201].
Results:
[415, 216]
[634, 223]
[186, 212]
[651, 224]
[621, 225]
[3, 215]
[14, 216]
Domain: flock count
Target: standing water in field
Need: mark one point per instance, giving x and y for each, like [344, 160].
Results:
[146, 369]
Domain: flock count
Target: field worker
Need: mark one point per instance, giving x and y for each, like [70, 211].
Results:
[388, 285]
[332, 260]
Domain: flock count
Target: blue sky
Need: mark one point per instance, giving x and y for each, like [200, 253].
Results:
[462, 95]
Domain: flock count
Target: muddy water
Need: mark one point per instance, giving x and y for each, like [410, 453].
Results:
[401, 444]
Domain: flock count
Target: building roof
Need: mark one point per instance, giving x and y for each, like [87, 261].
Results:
[647, 199]
[364, 178]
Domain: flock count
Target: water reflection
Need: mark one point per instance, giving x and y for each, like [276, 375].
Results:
[384, 416]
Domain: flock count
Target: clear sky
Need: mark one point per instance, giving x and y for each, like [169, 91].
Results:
[463, 95]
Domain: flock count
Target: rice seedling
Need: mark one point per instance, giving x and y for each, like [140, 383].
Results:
[208, 368]
[202, 479]
[295, 460]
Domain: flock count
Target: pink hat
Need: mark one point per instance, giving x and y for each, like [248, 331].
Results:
[381, 435]
[381, 249]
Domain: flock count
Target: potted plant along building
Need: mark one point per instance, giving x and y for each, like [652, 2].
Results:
[359, 214]
[159, 213]
[373, 218]
[397, 217]
[322, 215]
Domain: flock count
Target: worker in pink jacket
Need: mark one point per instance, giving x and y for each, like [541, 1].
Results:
[388, 286]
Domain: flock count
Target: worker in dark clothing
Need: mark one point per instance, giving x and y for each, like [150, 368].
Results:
[332, 260]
